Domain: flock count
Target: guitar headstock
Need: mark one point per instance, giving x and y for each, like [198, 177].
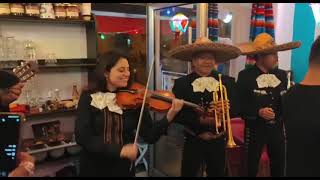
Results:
[26, 70]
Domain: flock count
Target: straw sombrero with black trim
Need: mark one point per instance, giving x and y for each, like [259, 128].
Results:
[222, 52]
[264, 44]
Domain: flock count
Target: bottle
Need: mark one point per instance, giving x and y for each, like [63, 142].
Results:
[17, 9]
[46, 11]
[32, 9]
[57, 97]
[75, 93]
[30, 51]
[60, 11]
[86, 11]
[4, 9]
[72, 11]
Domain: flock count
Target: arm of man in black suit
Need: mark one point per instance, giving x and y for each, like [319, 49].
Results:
[247, 109]
[187, 116]
[284, 81]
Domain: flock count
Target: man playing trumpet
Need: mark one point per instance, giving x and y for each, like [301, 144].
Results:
[205, 135]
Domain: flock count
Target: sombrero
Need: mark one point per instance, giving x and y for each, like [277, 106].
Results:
[264, 44]
[222, 52]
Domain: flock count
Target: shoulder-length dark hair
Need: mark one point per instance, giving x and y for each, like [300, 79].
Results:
[105, 63]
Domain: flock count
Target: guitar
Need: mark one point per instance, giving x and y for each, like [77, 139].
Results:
[21, 73]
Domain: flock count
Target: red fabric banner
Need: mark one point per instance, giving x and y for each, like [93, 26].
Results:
[109, 24]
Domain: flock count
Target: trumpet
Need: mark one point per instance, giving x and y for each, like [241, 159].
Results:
[224, 117]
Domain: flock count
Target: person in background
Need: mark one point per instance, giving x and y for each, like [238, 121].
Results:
[10, 90]
[7, 96]
[300, 114]
[25, 167]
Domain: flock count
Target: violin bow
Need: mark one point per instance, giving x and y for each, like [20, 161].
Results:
[143, 103]
[143, 106]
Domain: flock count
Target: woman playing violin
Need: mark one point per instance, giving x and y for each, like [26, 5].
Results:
[105, 130]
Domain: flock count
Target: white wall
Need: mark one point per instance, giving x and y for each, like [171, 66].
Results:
[284, 31]
[317, 32]
[240, 31]
[65, 40]
[283, 20]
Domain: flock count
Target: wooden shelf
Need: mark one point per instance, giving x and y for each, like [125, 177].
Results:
[65, 66]
[61, 63]
[58, 66]
[48, 148]
[50, 66]
[38, 20]
[41, 114]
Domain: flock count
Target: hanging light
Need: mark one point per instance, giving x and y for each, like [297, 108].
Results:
[228, 18]
[102, 36]
[179, 22]
[168, 12]
[225, 16]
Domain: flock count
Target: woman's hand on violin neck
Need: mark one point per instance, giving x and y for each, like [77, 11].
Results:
[129, 151]
[176, 106]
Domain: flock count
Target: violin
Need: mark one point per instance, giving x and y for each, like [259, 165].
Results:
[159, 100]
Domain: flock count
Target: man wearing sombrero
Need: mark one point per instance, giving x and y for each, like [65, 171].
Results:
[259, 91]
[201, 142]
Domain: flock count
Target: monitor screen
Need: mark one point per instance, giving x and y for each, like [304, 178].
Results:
[9, 142]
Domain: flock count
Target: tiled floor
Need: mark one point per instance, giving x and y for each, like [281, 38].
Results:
[141, 171]
[142, 174]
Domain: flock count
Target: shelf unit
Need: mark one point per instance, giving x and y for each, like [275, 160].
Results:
[39, 20]
[86, 64]
[50, 148]
[10, 64]
[50, 113]
[14, 64]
